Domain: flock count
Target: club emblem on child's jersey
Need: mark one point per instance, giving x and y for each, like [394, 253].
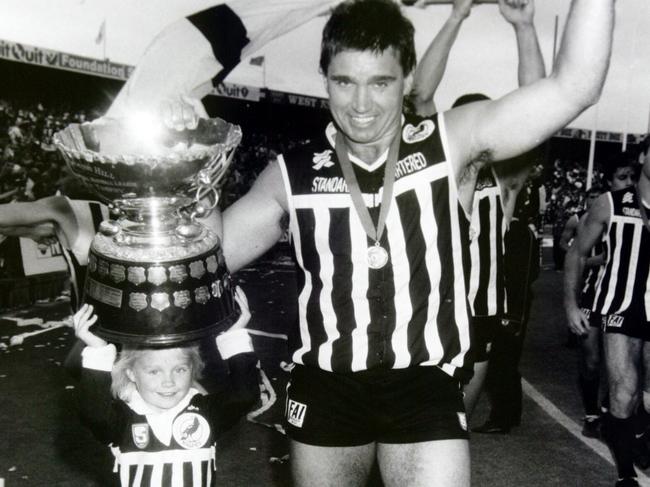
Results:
[628, 197]
[322, 159]
[191, 430]
[140, 434]
[296, 413]
[412, 134]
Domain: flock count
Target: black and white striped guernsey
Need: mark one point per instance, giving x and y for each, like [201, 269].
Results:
[414, 310]
[623, 283]
[486, 289]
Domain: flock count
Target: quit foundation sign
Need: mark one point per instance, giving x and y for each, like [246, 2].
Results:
[24, 53]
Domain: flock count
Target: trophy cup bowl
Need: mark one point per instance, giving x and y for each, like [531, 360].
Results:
[156, 276]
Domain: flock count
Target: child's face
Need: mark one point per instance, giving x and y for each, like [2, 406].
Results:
[162, 377]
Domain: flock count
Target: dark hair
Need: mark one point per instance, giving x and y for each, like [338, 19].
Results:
[368, 25]
[469, 98]
[615, 164]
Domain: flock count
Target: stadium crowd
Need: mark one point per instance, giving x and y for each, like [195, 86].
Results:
[31, 168]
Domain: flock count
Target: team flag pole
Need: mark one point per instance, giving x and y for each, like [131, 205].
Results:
[592, 149]
[101, 37]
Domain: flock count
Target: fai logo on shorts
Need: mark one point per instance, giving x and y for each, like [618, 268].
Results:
[191, 430]
[462, 421]
[412, 134]
[615, 321]
[140, 434]
[296, 413]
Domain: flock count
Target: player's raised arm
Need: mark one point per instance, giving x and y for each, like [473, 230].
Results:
[531, 62]
[431, 67]
[496, 130]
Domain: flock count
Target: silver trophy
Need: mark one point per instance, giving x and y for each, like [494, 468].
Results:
[156, 276]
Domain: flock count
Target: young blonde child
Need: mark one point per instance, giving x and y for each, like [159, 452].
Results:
[146, 406]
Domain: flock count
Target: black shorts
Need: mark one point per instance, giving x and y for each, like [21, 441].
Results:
[628, 323]
[484, 329]
[409, 405]
[595, 319]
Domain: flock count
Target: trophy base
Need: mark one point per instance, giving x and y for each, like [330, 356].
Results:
[166, 340]
[160, 302]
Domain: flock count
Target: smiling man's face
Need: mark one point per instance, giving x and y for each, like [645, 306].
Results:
[366, 91]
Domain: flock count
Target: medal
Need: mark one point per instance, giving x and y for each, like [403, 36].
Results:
[377, 256]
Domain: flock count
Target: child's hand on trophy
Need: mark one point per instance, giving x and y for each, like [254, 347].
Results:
[242, 301]
[82, 321]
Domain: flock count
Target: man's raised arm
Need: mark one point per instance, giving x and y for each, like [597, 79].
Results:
[503, 128]
[431, 67]
[531, 62]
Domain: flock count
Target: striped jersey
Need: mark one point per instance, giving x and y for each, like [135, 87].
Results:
[486, 289]
[88, 215]
[174, 448]
[412, 311]
[591, 275]
[624, 282]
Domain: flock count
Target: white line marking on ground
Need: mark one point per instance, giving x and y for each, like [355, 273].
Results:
[574, 428]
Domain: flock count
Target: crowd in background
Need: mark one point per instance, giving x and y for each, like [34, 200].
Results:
[566, 189]
[31, 168]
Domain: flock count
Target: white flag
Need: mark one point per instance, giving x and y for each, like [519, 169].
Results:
[191, 54]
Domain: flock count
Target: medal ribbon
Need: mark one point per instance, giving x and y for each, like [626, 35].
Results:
[355, 191]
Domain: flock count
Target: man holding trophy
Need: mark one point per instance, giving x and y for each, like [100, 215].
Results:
[373, 205]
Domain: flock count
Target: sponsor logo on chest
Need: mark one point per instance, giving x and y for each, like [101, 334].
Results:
[412, 134]
[336, 184]
[410, 164]
[635, 212]
[329, 185]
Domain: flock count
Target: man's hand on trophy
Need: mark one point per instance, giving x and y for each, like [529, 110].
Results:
[137, 133]
[182, 112]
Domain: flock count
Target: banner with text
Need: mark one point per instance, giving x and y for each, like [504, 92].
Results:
[24, 53]
[240, 92]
